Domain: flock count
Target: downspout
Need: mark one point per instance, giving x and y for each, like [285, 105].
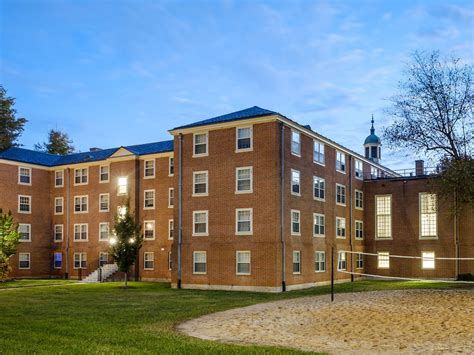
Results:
[456, 238]
[351, 217]
[137, 211]
[282, 208]
[66, 275]
[180, 203]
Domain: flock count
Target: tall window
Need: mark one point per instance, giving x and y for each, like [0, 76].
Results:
[103, 259]
[199, 262]
[428, 260]
[295, 222]
[359, 199]
[149, 169]
[200, 222]
[104, 173]
[171, 166]
[58, 232]
[320, 261]
[122, 186]
[80, 232]
[80, 204]
[103, 231]
[24, 204]
[170, 229]
[200, 183]
[295, 143]
[243, 178]
[340, 194]
[319, 229]
[318, 152]
[103, 202]
[244, 139]
[24, 261]
[295, 182]
[374, 172]
[428, 215]
[24, 230]
[80, 176]
[59, 178]
[296, 262]
[58, 260]
[243, 263]
[383, 217]
[149, 199]
[24, 175]
[359, 227]
[341, 261]
[383, 260]
[200, 144]
[340, 227]
[58, 205]
[148, 260]
[170, 197]
[318, 188]
[359, 169]
[80, 260]
[340, 161]
[243, 221]
[149, 233]
[359, 261]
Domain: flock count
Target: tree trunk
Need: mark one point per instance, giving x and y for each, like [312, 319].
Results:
[126, 279]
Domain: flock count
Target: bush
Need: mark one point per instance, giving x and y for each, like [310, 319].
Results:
[466, 277]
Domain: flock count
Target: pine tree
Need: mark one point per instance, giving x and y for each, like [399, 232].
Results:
[10, 126]
[58, 143]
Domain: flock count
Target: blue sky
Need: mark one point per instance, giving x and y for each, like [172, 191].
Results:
[114, 73]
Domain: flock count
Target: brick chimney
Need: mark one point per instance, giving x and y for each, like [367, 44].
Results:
[419, 167]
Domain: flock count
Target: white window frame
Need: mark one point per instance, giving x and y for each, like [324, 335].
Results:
[342, 155]
[29, 175]
[237, 232]
[194, 262]
[386, 260]
[359, 169]
[343, 220]
[30, 203]
[299, 182]
[80, 197]
[100, 174]
[323, 154]
[171, 197]
[54, 260]
[194, 145]
[56, 199]
[56, 178]
[170, 165]
[101, 255]
[56, 232]
[145, 229]
[296, 252]
[153, 168]
[200, 194]
[377, 237]
[361, 193]
[359, 260]
[293, 152]
[145, 260]
[145, 207]
[100, 231]
[341, 261]
[122, 189]
[420, 219]
[28, 226]
[108, 202]
[170, 223]
[82, 259]
[237, 191]
[360, 223]
[319, 215]
[299, 222]
[425, 259]
[242, 150]
[237, 253]
[80, 225]
[19, 261]
[317, 261]
[200, 234]
[81, 170]
[343, 196]
[320, 179]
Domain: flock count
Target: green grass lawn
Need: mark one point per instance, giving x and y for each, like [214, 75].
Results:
[33, 283]
[106, 319]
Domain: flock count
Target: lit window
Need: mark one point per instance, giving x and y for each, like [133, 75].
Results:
[428, 215]
[243, 221]
[243, 178]
[295, 182]
[149, 169]
[340, 161]
[359, 199]
[24, 261]
[297, 262]
[170, 197]
[318, 154]
[359, 261]
[383, 260]
[295, 222]
[149, 233]
[199, 262]
[58, 232]
[80, 176]
[171, 166]
[103, 259]
[243, 262]
[103, 202]
[104, 231]
[58, 205]
[148, 260]
[427, 260]
[59, 178]
[320, 261]
[295, 143]
[24, 230]
[80, 204]
[340, 194]
[359, 169]
[122, 185]
[200, 219]
[104, 173]
[340, 227]
[170, 229]
[24, 175]
[121, 211]
[80, 232]
[200, 183]
[58, 260]
[319, 225]
[341, 261]
[359, 227]
[80, 260]
[24, 204]
[149, 199]
[244, 139]
[318, 188]
[383, 217]
[200, 144]
[374, 172]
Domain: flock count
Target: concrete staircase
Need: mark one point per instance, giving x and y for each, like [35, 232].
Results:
[101, 274]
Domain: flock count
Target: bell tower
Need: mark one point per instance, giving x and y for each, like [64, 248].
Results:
[372, 145]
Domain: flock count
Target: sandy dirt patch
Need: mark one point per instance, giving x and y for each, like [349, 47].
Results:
[408, 321]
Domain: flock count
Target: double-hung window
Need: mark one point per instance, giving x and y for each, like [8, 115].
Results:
[359, 229]
[244, 139]
[149, 233]
[170, 229]
[81, 232]
[24, 231]
[200, 183]
[24, 175]
[243, 178]
[318, 152]
[243, 221]
[340, 227]
[296, 262]
[359, 169]
[200, 223]
[295, 143]
[122, 188]
[103, 231]
[428, 260]
[428, 216]
[58, 232]
[104, 173]
[148, 260]
[340, 195]
[24, 204]
[319, 229]
[103, 259]
[200, 144]
[170, 197]
[58, 260]
[80, 204]
[59, 178]
[341, 261]
[242, 262]
[359, 261]
[149, 199]
[149, 169]
[383, 260]
[199, 262]
[104, 202]
[58, 205]
[359, 200]
[295, 222]
[81, 176]
[318, 188]
[295, 183]
[24, 260]
[80, 260]
[383, 217]
[171, 166]
[340, 162]
[320, 261]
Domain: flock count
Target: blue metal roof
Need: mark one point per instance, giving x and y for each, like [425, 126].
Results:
[254, 111]
[45, 159]
[372, 139]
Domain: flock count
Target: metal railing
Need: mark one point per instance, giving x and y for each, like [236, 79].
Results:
[430, 171]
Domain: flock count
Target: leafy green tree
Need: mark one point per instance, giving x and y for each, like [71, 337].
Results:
[58, 143]
[11, 127]
[9, 238]
[127, 240]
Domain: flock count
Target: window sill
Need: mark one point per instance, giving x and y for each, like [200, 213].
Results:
[200, 234]
[341, 204]
[319, 199]
[81, 241]
[244, 150]
[24, 212]
[199, 273]
[320, 271]
[200, 155]
[243, 192]
[149, 208]
[318, 163]
[319, 236]
[100, 211]
[240, 234]
[200, 195]
[24, 241]
[341, 171]
[104, 182]
[296, 234]
[147, 178]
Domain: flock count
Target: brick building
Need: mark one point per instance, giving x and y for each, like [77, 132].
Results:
[251, 200]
